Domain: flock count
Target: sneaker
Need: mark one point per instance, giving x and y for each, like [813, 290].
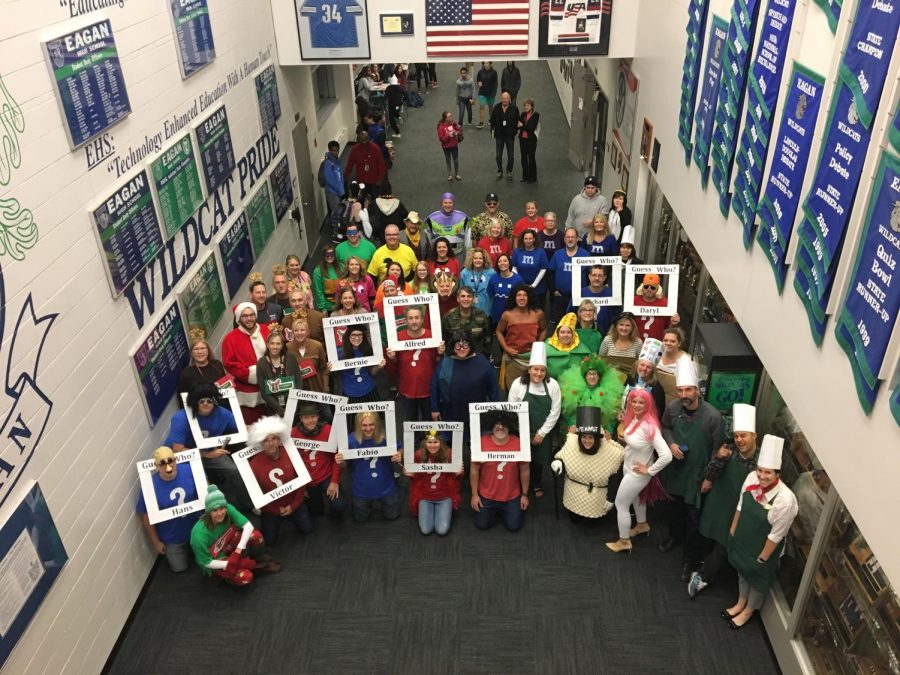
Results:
[499, 175]
[396, 136]
[480, 125]
[508, 176]
[458, 177]
[696, 584]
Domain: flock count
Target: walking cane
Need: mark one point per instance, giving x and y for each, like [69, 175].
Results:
[555, 494]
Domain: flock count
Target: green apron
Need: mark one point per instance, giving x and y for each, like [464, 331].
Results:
[559, 361]
[538, 411]
[747, 543]
[719, 504]
[682, 477]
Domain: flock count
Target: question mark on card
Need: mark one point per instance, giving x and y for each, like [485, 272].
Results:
[372, 466]
[312, 457]
[500, 470]
[415, 357]
[179, 494]
[356, 372]
[434, 480]
[274, 476]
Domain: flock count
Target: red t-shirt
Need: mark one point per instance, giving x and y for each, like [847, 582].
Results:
[499, 480]
[652, 326]
[321, 465]
[449, 266]
[495, 248]
[413, 368]
[273, 473]
[524, 224]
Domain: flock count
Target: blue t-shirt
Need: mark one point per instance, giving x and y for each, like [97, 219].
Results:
[529, 264]
[609, 245]
[357, 384]
[368, 482]
[561, 266]
[177, 530]
[218, 423]
[499, 290]
[552, 242]
[332, 23]
[479, 281]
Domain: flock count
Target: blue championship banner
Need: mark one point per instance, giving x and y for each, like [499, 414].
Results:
[690, 73]
[861, 79]
[712, 76]
[762, 94]
[867, 319]
[832, 9]
[781, 198]
[731, 96]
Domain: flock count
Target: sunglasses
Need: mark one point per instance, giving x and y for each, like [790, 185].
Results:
[166, 462]
[352, 233]
[650, 287]
[329, 254]
[492, 203]
[207, 401]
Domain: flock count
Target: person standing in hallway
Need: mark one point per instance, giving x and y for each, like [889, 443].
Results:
[691, 428]
[725, 474]
[331, 178]
[366, 159]
[450, 134]
[486, 83]
[585, 205]
[465, 94]
[619, 213]
[528, 126]
[551, 238]
[560, 269]
[504, 126]
[511, 80]
[450, 223]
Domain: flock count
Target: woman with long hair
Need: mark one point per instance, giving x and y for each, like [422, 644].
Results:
[599, 240]
[619, 213]
[586, 328]
[422, 280]
[347, 303]
[442, 259]
[529, 119]
[450, 134]
[643, 437]
[277, 372]
[623, 338]
[433, 500]
[644, 376]
[297, 278]
[324, 280]
[672, 352]
[501, 284]
[355, 277]
[530, 262]
[521, 325]
[495, 242]
[202, 368]
[358, 384]
[310, 356]
[477, 274]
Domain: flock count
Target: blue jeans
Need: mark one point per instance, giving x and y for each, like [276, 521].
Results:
[465, 106]
[316, 498]
[509, 512]
[391, 506]
[509, 144]
[269, 524]
[434, 516]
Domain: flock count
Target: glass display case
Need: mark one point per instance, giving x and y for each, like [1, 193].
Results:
[690, 283]
[714, 308]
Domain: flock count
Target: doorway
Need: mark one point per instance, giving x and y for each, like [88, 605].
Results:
[584, 119]
[312, 221]
[600, 121]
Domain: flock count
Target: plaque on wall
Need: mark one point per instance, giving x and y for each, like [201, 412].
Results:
[237, 256]
[89, 84]
[128, 231]
[177, 184]
[260, 218]
[216, 151]
[267, 98]
[193, 35]
[574, 28]
[202, 299]
[282, 188]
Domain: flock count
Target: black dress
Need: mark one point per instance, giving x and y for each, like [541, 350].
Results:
[193, 375]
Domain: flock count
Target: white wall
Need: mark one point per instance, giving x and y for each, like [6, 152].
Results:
[98, 429]
[859, 452]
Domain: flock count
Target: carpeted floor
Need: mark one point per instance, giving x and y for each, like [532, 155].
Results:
[381, 598]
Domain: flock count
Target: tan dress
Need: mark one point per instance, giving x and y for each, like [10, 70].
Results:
[585, 474]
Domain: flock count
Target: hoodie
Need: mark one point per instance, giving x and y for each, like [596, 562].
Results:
[386, 211]
[584, 207]
[334, 176]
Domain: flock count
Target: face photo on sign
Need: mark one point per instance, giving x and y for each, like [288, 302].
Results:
[173, 485]
[298, 412]
[359, 332]
[373, 423]
[244, 460]
[227, 399]
[439, 446]
[426, 314]
[582, 268]
[651, 290]
[499, 432]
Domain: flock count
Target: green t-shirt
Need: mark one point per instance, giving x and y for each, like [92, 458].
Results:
[208, 544]
[364, 250]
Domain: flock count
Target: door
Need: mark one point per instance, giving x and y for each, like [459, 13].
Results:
[600, 121]
[581, 136]
[310, 228]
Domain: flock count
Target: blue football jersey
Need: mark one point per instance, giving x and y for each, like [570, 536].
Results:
[332, 23]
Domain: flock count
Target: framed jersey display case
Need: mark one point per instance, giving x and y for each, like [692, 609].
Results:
[332, 29]
[574, 28]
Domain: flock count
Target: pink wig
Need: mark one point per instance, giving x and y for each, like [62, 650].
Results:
[650, 417]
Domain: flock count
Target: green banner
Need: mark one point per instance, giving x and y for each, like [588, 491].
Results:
[178, 186]
[260, 218]
[203, 299]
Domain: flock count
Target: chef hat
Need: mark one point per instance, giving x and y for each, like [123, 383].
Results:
[538, 355]
[240, 307]
[627, 235]
[744, 418]
[686, 373]
[651, 350]
[770, 453]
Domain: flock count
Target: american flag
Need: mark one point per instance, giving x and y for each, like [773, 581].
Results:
[476, 27]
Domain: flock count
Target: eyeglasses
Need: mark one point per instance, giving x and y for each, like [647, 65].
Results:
[207, 401]
[586, 310]
[166, 462]
[462, 343]
[492, 203]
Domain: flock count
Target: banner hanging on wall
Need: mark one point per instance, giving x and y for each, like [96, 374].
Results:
[762, 95]
[573, 29]
[282, 188]
[267, 98]
[216, 151]
[869, 314]
[832, 9]
[193, 35]
[731, 96]
[829, 202]
[781, 199]
[177, 184]
[690, 72]
[706, 108]
[260, 218]
[237, 254]
[203, 300]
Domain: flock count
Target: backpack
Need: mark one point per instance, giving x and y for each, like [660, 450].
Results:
[321, 176]
[414, 100]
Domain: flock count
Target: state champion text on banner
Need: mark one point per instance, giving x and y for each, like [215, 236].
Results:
[762, 95]
[778, 206]
[731, 95]
[706, 108]
[691, 72]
